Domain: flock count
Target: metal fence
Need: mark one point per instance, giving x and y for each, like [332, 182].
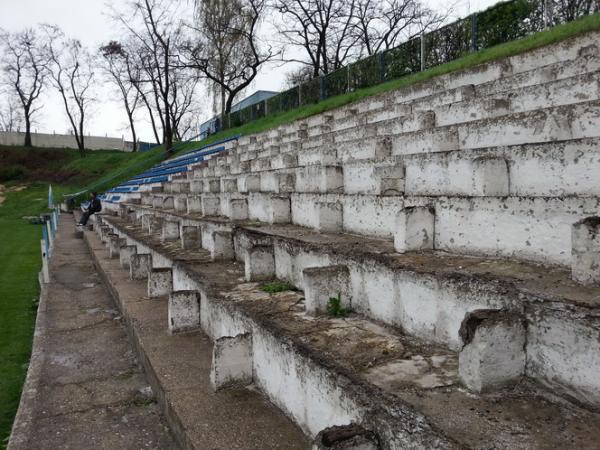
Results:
[503, 22]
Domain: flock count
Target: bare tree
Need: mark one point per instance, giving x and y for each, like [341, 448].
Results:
[24, 64]
[229, 51]
[322, 28]
[118, 67]
[183, 105]
[11, 115]
[72, 73]
[298, 76]
[157, 39]
[568, 10]
[381, 24]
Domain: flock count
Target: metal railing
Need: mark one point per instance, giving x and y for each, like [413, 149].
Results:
[49, 228]
[503, 22]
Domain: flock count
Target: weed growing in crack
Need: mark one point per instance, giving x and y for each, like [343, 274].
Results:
[277, 286]
[335, 308]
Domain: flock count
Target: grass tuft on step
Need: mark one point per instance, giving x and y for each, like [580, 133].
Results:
[277, 286]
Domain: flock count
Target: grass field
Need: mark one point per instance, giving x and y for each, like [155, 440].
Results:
[19, 291]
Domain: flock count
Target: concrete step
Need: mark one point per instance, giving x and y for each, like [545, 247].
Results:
[179, 366]
[534, 229]
[319, 373]
[564, 168]
[374, 279]
[429, 294]
[499, 78]
[543, 125]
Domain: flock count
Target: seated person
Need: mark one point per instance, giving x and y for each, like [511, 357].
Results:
[94, 207]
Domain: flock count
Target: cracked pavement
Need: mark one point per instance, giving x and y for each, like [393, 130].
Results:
[85, 388]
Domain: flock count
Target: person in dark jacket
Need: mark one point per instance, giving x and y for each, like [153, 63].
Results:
[94, 207]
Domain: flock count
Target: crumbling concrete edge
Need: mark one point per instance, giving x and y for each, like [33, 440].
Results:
[379, 406]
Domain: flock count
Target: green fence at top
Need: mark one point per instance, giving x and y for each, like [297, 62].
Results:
[503, 22]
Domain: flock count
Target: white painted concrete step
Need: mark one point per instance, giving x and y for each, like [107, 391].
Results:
[295, 355]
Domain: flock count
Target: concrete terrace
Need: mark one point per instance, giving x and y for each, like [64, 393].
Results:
[457, 222]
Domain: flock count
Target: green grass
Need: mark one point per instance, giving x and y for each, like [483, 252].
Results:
[19, 291]
[277, 286]
[534, 41]
[335, 307]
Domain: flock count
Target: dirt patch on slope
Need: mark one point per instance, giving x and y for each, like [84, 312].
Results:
[4, 191]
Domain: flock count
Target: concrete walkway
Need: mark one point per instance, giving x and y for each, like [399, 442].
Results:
[84, 388]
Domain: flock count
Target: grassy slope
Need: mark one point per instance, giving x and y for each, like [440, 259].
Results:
[537, 40]
[20, 258]
[20, 263]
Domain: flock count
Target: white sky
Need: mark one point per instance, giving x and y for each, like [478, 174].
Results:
[86, 21]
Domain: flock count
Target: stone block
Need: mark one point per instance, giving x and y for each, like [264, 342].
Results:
[157, 201]
[284, 161]
[259, 263]
[211, 205]
[493, 354]
[490, 177]
[213, 186]
[279, 210]
[277, 182]
[232, 362]
[194, 204]
[191, 238]
[585, 251]
[222, 248]
[329, 216]
[140, 266]
[238, 208]
[183, 311]
[181, 203]
[249, 183]
[114, 245]
[146, 199]
[414, 229]
[105, 233]
[168, 202]
[229, 185]
[196, 186]
[369, 178]
[319, 179]
[170, 230]
[160, 282]
[156, 225]
[323, 283]
[125, 254]
[145, 221]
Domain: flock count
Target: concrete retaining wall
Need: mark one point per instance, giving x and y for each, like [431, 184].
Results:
[64, 141]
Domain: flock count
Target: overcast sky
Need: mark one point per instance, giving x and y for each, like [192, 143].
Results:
[86, 20]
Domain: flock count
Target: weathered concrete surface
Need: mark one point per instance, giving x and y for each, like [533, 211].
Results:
[179, 366]
[84, 387]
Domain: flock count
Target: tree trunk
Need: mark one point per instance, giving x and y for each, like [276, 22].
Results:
[133, 135]
[27, 131]
[168, 130]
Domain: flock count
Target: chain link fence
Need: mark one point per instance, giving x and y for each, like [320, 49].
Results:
[503, 22]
